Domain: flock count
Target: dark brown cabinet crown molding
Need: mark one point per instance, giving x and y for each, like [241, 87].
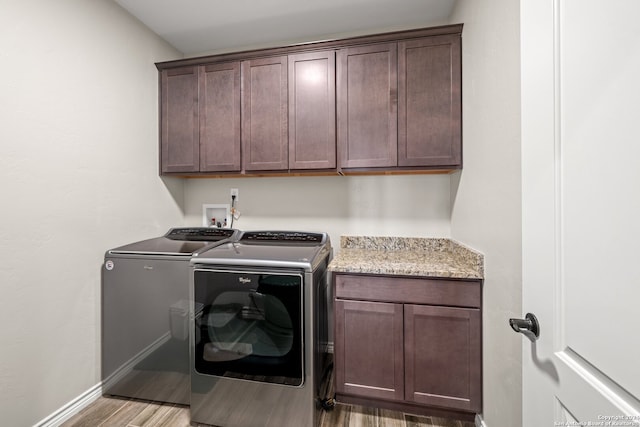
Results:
[384, 103]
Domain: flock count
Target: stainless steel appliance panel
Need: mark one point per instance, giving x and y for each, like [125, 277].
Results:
[145, 331]
[230, 401]
[145, 314]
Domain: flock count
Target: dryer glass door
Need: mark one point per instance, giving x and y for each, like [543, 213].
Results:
[250, 326]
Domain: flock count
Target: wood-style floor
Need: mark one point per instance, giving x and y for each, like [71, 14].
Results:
[114, 412]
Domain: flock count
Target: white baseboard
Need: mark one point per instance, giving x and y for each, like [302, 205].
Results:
[72, 407]
[479, 421]
[85, 399]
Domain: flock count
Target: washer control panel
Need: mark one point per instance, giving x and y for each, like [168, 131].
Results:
[199, 233]
[282, 236]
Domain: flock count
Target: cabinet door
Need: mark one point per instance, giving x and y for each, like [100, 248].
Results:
[367, 106]
[369, 349]
[429, 107]
[312, 111]
[179, 134]
[443, 362]
[220, 117]
[264, 114]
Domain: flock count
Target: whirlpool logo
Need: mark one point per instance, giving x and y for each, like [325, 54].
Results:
[244, 280]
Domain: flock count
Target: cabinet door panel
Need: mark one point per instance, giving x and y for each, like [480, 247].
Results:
[220, 117]
[312, 111]
[367, 106]
[429, 107]
[264, 114]
[369, 349]
[443, 356]
[180, 145]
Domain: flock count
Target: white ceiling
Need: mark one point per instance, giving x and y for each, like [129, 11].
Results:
[199, 26]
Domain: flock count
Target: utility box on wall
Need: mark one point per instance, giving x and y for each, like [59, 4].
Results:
[216, 215]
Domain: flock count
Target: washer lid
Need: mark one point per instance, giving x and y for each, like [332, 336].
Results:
[284, 249]
[180, 242]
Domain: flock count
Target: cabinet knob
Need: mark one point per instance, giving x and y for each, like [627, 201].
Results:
[528, 326]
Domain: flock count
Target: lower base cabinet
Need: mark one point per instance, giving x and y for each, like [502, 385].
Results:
[442, 356]
[408, 342]
[369, 362]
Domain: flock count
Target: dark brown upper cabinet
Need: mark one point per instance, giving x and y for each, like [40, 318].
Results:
[367, 106]
[380, 103]
[312, 111]
[399, 105]
[180, 143]
[264, 114]
[429, 102]
[200, 119]
[220, 117]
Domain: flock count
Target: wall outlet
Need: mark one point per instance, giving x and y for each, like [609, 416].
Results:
[235, 192]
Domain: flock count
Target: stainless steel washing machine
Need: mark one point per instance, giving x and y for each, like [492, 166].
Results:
[145, 314]
[258, 339]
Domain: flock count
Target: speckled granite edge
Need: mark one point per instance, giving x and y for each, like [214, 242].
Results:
[388, 243]
[473, 257]
[411, 256]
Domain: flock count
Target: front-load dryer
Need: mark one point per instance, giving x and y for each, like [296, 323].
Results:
[258, 339]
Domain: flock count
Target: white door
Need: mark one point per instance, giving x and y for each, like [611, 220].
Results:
[581, 211]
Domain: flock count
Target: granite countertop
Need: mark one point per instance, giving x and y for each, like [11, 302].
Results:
[407, 256]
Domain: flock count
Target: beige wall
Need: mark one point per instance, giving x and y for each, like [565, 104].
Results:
[486, 212]
[325, 36]
[78, 175]
[410, 205]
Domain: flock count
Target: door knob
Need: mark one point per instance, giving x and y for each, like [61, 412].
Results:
[528, 326]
